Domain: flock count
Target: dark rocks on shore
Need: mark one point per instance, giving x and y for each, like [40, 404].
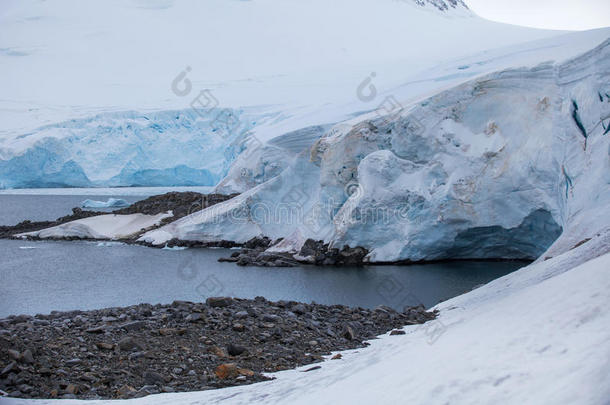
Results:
[253, 253]
[144, 349]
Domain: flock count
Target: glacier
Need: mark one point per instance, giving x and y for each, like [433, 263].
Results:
[496, 167]
[96, 124]
[123, 149]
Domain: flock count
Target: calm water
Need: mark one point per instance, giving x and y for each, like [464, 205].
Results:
[50, 204]
[17, 208]
[38, 277]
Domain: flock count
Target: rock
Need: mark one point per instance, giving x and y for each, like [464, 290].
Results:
[136, 355]
[96, 330]
[134, 326]
[238, 327]
[147, 390]
[234, 350]
[126, 391]
[337, 356]
[152, 377]
[271, 318]
[104, 346]
[194, 317]
[245, 372]
[27, 356]
[217, 351]
[219, 302]
[89, 377]
[227, 370]
[241, 315]
[14, 355]
[73, 362]
[128, 343]
[72, 389]
[348, 333]
[21, 319]
[299, 309]
[312, 343]
[397, 332]
[312, 369]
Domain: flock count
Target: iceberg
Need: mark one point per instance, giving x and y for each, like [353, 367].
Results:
[111, 203]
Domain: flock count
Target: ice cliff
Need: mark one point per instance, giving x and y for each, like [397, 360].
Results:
[164, 148]
[498, 167]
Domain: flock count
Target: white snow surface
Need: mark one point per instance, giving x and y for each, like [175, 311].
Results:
[87, 96]
[536, 336]
[110, 226]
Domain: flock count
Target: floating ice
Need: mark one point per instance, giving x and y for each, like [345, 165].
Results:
[111, 203]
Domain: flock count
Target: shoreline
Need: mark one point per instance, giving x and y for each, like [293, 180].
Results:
[134, 351]
[250, 253]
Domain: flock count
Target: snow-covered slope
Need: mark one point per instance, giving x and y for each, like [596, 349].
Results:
[496, 167]
[110, 226]
[105, 93]
[537, 336]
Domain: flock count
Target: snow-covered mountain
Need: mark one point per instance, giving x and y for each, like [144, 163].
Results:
[162, 92]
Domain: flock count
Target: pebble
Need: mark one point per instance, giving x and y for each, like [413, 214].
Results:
[152, 377]
[234, 350]
[219, 302]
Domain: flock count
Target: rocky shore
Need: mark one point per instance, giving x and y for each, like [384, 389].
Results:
[180, 203]
[318, 253]
[145, 349]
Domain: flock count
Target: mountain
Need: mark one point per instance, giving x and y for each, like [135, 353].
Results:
[115, 92]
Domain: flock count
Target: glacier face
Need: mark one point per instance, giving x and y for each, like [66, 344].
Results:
[163, 148]
[496, 167]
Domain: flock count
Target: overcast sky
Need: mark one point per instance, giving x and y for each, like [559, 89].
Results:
[552, 14]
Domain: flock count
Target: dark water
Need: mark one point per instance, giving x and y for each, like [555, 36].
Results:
[38, 277]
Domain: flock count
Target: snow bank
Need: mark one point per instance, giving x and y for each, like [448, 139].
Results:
[111, 203]
[539, 335]
[102, 227]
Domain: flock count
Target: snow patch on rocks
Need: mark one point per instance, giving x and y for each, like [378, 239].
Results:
[110, 226]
